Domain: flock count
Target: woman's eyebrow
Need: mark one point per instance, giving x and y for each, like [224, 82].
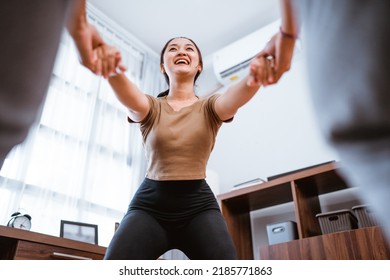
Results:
[175, 45]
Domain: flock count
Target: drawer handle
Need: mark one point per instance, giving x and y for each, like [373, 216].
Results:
[62, 255]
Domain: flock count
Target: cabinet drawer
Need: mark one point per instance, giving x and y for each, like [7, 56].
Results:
[26, 250]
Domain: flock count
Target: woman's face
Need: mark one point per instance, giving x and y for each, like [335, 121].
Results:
[181, 58]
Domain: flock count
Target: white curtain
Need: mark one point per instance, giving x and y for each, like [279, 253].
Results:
[82, 161]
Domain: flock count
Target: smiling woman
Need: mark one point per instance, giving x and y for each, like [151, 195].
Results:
[170, 51]
[179, 130]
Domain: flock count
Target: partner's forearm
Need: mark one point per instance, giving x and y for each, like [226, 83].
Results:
[290, 21]
[78, 18]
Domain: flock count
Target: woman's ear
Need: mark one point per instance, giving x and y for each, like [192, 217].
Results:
[162, 68]
[200, 68]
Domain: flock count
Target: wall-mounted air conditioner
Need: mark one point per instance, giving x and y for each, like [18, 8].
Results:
[231, 63]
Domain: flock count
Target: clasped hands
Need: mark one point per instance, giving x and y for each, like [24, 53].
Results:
[106, 61]
[273, 61]
[265, 69]
[261, 71]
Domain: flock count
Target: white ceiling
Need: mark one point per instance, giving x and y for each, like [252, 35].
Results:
[212, 24]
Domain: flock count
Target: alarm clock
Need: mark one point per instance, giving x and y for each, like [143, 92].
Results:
[19, 220]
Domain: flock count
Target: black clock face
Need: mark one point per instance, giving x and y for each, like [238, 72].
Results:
[22, 222]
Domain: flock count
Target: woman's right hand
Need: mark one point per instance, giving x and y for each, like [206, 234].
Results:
[109, 61]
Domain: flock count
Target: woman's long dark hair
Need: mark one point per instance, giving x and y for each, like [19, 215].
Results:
[164, 93]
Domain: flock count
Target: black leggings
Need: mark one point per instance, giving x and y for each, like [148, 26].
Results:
[152, 227]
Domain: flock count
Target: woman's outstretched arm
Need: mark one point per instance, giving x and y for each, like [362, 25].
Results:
[125, 90]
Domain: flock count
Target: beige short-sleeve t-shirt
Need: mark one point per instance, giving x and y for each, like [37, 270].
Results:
[178, 144]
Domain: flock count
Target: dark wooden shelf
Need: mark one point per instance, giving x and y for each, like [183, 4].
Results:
[302, 188]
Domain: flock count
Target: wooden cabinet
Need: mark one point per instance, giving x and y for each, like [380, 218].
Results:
[360, 244]
[303, 189]
[17, 244]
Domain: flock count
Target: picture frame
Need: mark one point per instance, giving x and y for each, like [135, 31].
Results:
[79, 231]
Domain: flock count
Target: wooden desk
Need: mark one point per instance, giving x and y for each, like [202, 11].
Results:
[302, 188]
[18, 244]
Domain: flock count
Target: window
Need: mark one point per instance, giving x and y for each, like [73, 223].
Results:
[82, 160]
